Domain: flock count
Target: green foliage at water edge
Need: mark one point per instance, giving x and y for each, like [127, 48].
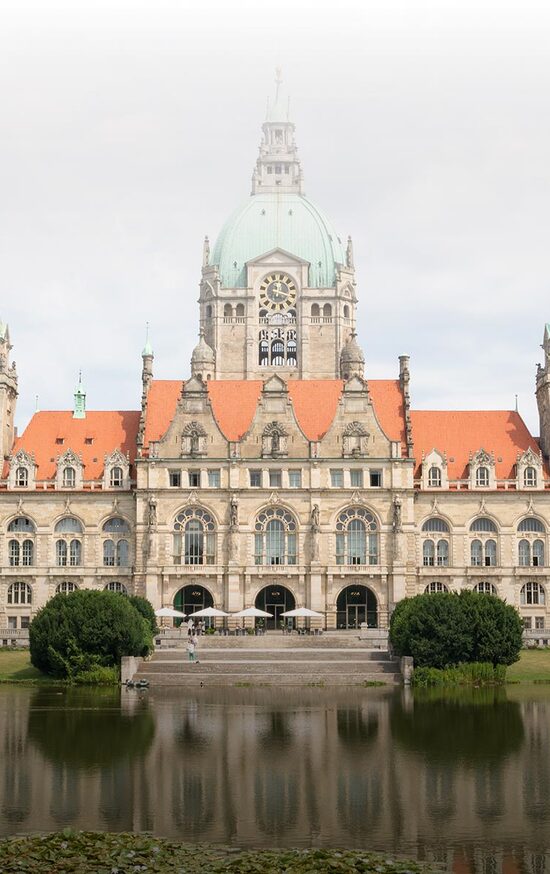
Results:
[83, 852]
[77, 633]
[470, 674]
[446, 629]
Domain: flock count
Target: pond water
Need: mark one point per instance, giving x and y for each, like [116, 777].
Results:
[462, 778]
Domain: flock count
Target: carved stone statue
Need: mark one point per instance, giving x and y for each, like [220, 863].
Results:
[397, 514]
[194, 443]
[152, 512]
[275, 442]
[234, 513]
[315, 519]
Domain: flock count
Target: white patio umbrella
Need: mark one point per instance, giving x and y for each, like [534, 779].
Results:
[170, 613]
[208, 611]
[253, 611]
[302, 613]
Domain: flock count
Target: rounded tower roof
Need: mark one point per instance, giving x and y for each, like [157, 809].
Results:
[278, 220]
[203, 353]
[352, 352]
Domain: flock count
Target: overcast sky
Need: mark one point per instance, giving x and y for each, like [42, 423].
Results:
[129, 130]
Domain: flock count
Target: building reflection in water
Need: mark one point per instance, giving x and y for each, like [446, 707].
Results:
[461, 780]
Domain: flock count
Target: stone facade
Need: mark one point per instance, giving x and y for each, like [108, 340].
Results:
[278, 474]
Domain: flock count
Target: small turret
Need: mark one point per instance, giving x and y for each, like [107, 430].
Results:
[203, 359]
[79, 411]
[8, 392]
[352, 359]
[147, 357]
[543, 394]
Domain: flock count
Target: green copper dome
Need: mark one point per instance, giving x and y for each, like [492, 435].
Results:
[278, 220]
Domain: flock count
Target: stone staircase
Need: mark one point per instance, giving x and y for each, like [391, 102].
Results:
[333, 659]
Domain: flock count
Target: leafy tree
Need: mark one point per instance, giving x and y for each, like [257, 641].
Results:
[446, 629]
[145, 607]
[84, 629]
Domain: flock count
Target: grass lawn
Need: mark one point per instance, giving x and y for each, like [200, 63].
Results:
[15, 665]
[533, 666]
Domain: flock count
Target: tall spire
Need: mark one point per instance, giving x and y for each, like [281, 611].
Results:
[278, 167]
[79, 399]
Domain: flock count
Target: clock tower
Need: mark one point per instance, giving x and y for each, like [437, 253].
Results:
[278, 288]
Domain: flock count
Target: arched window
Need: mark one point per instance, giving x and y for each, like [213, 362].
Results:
[228, 311]
[531, 525]
[291, 352]
[239, 312]
[109, 553]
[532, 593]
[315, 311]
[65, 588]
[483, 526]
[263, 354]
[436, 525]
[14, 552]
[356, 537]
[194, 539]
[346, 311]
[69, 478]
[531, 553]
[122, 553]
[21, 525]
[208, 312]
[116, 525]
[19, 593]
[485, 588]
[117, 477]
[428, 553]
[434, 478]
[530, 477]
[278, 353]
[275, 537]
[483, 553]
[482, 477]
[434, 587]
[69, 525]
[115, 586]
[61, 553]
[21, 477]
[327, 311]
[442, 553]
[27, 553]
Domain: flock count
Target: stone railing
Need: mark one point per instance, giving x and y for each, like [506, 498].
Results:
[14, 637]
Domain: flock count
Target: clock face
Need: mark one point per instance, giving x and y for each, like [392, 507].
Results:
[278, 292]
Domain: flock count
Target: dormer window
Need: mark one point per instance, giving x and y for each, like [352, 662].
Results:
[60, 441]
[21, 477]
[69, 478]
[530, 477]
[482, 477]
[117, 477]
[434, 478]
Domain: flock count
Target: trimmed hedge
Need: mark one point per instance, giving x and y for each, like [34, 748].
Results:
[447, 629]
[146, 609]
[76, 633]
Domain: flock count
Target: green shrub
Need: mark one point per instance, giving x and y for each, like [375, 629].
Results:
[98, 676]
[85, 630]
[146, 609]
[470, 674]
[448, 629]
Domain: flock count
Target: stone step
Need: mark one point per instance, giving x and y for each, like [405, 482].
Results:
[274, 640]
[222, 652]
[259, 667]
[199, 678]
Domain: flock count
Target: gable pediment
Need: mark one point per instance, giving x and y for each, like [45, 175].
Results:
[276, 258]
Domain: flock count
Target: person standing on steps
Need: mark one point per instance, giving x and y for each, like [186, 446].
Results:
[191, 648]
[195, 641]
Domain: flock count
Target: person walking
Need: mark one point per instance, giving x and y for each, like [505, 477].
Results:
[195, 640]
[191, 648]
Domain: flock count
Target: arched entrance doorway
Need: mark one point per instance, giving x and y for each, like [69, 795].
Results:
[192, 598]
[354, 605]
[275, 599]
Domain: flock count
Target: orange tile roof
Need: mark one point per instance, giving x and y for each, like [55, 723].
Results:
[108, 430]
[389, 407]
[234, 403]
[315, 402]
[459, 432]
[161, 406]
